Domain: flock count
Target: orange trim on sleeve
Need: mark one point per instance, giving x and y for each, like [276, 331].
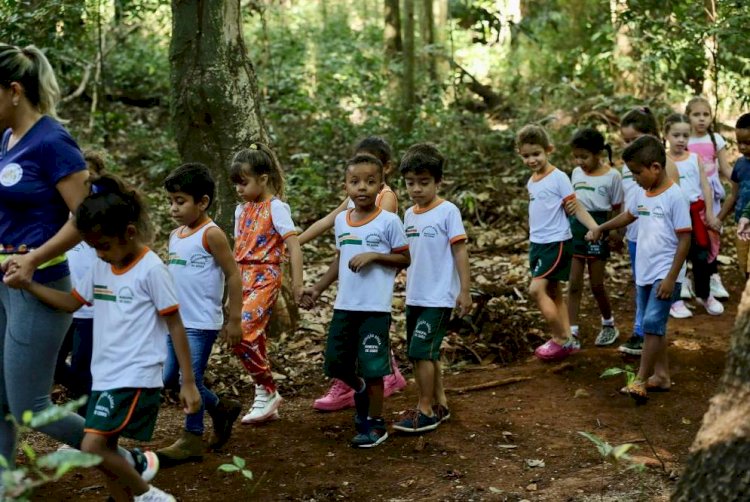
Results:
[120, 271]
[169, 310]
[459, 238]
[289, 234]
[400, 249]
[124, 422]
[683, 230]
[78, 297]
[386, 190]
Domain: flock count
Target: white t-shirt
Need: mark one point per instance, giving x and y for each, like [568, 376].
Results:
[632, 191]
[432, 278]
[690, 177]
[198, 278]
[598, 193]
[547, 219]
[80, 259]
[661, 216]
[370, 289]
[130, 343]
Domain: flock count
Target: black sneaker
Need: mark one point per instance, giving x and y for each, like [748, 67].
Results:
[441, 412]
[362, 408]
[376, 432]
[414, 422]
[633, 347]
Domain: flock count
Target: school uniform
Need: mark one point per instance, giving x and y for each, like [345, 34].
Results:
[600, 195]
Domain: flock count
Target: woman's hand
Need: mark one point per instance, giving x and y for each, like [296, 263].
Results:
[19, 270]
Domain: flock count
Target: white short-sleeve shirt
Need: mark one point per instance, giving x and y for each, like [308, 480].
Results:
[690, 177]
[281, 216]
[661, 217]
[130, 344]
[598, 193]
[632, 191]
[547, 219]
[81, 258]
[370, 289]
[432, 277]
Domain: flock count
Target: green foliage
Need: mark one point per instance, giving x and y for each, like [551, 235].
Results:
[19, 483]
[237, 465]
[615, 455]
[628, 371]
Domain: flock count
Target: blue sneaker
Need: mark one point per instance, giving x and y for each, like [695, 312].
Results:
[415, 421]
[362, 407]
[375, 433]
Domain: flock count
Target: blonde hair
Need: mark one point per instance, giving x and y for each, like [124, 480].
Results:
[30, 68]
[533, 134]
[700, 100]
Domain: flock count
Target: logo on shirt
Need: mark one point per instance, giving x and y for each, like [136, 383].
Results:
[643, 210]
[373, 240]
[422, 329]
[371, 343]
[349, 239]
[658, 212]
[430, 231]
[104, 293]
[125, 295]
[411, 231]
[602, 191]
[198, 261]
[174, 259]
[105, 405]
[582, 185]
[11, 174]
[543, 194]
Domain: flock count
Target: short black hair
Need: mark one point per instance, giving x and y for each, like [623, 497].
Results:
[194, 179]
[743, 122]
[375, 146]
[645, 151]
[365, 158]
[423, 158]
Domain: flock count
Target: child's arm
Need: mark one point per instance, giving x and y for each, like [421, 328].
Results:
[219, 248]
[743, 226]
[295, 260]
[189, 395]
[389, 202]
[55, 298]
[621, 220]
[667, 284]
[323, 224]
[584, 217]
[723, 165]
[708, 198]
[311, 294]
[461, 259]
[399, 259]
[729, 202]
[672, 172]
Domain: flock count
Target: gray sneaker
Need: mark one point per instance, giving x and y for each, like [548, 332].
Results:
[607, 336]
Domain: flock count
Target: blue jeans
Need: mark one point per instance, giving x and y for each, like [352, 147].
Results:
[655, 310]
[200, 341]
[638, 324]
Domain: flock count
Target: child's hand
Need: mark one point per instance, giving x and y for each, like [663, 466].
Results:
[713, 223]
[463, 303]
[593, 235]
[571, 206]
[743, 229]
[190, 398]
[232, 334]
[360, 261]
[309, 297]
[666, 287]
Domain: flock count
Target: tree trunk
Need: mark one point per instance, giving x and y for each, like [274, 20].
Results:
[392, 31]
[718, 467]
[623, 50]
[711, 48]
[215, 106]
[408, 91]
[428, 39]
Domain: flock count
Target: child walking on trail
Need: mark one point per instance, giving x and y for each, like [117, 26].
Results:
[705, 238]
[200, 261]
[551, 250]
[371, 247]
[265, 228]
[135, 308]
[711, 148]
[339, 395]
[739, 198]
[664, 230]
[598, 188]
[437, 281]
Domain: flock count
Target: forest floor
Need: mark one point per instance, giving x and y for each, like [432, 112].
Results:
[514, 442]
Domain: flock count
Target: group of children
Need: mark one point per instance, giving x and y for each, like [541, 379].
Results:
[669, 200]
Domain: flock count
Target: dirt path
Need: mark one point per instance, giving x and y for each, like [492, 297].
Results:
[486, 450]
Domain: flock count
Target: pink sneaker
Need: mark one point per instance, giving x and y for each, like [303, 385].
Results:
[393, 382]
[552, 351]
[339, 397]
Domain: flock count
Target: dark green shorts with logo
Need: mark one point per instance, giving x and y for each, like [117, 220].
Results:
[425, 330]
[583, 248]
[358, 343]
[551, 261]
[129, 412]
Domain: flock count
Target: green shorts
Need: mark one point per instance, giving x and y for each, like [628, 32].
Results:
[129, 412]
[358, 343]
[551, 261]
[425, 330]
[583, 248]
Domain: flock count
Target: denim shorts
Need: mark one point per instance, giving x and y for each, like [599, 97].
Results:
[655, 310]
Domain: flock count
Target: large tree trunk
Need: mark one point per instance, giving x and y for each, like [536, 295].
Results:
[408, 89]
[718, 467]
[392, 31]
[215, 105]
[623, 49]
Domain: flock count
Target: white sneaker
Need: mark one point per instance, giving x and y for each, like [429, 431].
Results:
[264, 406]
[717, 288]
[712, 305]
[154, 495]
[686, 292]
[679, 310]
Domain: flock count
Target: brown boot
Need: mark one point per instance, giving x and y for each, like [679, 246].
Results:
[223, 417]
[188, 447]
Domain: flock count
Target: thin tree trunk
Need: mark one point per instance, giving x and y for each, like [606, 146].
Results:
[711, 48]
[408, 91]
[718, 468]
[392, 31]
[428, 39]
[623, 49]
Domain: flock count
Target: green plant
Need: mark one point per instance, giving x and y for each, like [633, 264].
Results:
[615, 455]
[20, 482]
[237, 465]
[628, 371]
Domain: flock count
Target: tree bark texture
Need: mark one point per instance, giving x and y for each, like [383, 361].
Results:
[428, 39]
[392, 31]
[718, 468]
[408, 90]
[215, 106]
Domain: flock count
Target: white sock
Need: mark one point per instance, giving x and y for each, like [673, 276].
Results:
[574, 330]
[608, 322]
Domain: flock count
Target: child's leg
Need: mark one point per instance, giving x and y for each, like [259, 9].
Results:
[375, 394]
[652, 347]
[555, 292]
[539, 290]
[655, 316]
[660, 377]
[596, 277]
[701, 272]
[80, 361]
[124, 479]
[200, 342]
[439, 391]
[425, 376]
[575, 287]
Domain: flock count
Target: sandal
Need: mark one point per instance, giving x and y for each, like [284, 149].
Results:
[650, 387]
[636, 390]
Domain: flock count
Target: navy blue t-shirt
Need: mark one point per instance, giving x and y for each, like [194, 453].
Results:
[741, 176]
[31, 208]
